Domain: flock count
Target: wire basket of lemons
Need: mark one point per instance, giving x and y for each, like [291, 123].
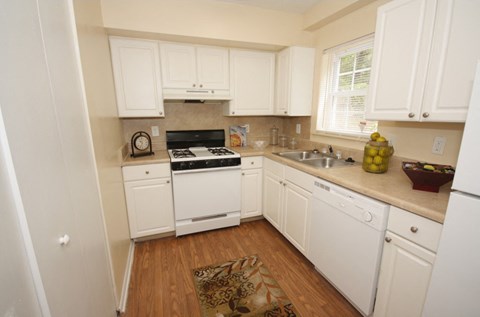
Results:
[377, 154]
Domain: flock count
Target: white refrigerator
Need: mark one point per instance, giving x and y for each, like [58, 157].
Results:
[455, 283]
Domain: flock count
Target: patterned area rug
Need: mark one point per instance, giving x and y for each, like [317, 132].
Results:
[240, 288]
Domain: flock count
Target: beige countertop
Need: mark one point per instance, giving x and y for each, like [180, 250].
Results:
[392, 187]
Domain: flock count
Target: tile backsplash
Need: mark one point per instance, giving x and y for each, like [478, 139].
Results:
[180, 116]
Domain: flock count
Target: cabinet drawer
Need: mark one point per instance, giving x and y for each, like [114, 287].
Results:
[252, 162]
[299, 178]
[147, 171]
[415, 228]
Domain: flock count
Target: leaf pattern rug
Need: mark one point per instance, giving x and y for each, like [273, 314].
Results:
[240, 288]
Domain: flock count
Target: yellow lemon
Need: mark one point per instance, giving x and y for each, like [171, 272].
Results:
[384, 152]
[381, 139]
[372, 152]
[377, 160]
[368, 160]
[374, 136]
[373, 168]
[382, 168]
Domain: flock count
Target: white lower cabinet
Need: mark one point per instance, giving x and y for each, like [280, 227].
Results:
[409, 252]
[286, 203]
[252, 183]
[148, 192]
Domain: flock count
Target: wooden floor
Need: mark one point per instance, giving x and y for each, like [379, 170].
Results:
[162, 285]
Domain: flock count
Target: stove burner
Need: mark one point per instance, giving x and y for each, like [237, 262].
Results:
[182, 153]
[220, 151]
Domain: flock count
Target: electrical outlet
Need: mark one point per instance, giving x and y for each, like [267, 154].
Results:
[247, 127]
[298, 128]
[438, 145]
[155, 131]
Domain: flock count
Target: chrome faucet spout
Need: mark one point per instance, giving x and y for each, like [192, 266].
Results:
[330, 149]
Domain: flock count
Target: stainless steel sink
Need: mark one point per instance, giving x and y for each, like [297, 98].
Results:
[315, 159]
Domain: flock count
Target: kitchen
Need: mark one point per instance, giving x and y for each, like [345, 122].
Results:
[269, 30]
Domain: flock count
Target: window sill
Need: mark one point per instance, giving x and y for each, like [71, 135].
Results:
[345, 136]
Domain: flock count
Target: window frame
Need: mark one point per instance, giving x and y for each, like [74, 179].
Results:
[326, 82]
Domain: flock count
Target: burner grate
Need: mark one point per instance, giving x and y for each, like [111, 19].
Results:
[182, 153]
[220, 151]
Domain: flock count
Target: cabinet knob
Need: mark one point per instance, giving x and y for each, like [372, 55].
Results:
[425, 115]
[285, 112]
[388, 239]
[281, 182]
[201, 86]
[161, 113]
[147, 172]
[243, 174]
[194, 85]
[233, 112]
[64, 240]
[413, 229]
[284, 184]
[411, 115]
[252, 163]
[213, 91]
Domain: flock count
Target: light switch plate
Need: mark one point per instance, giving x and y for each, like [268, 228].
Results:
[438, 145]
[298, 128]
[155, 131]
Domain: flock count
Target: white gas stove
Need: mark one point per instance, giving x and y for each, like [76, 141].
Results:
[206, 180]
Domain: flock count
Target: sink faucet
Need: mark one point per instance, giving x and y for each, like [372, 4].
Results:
[330, 149]
[337, 155]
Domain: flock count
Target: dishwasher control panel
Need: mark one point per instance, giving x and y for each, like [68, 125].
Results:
[370, 211]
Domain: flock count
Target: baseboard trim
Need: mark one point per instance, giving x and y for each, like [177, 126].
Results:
[126, 278]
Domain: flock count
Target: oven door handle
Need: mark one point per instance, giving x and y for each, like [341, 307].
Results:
[207, 170]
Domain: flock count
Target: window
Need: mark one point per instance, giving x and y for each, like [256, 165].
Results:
[346, 74]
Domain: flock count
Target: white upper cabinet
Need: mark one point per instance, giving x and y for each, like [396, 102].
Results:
[137, 76]
[191, 71]
[294, 81]
[252, 80]
[424, 60]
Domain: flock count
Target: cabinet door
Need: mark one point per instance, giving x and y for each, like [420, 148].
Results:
[252, 76]
[404, 277]
[273, 198]
[136, 70]
[282, 90]
[296, 215]
[178, 66]
[400, 60]
[150, 206]
[212, 68]
[252, 182]
[455, 52]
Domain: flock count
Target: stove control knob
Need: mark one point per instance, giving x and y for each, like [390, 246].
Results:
[223, 162]
[191, 164]
[183, 165]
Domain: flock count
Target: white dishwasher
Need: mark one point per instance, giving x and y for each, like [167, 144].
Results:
[346, 240]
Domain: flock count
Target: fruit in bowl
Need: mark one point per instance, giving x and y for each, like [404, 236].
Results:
[427, 176]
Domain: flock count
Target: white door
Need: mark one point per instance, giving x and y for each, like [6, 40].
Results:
[454, 56]
[178, 66]
[455, 286]
[47, 128]
[273, 198]
[252, 76]
[400, 59]
[150, 206]
[404, 276]
[212, 67]
[136, 70]
[296, 216]
[252, 183]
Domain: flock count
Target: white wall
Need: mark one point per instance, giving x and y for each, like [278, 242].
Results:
[106, 129]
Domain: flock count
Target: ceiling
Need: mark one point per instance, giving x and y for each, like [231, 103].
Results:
[294, 6]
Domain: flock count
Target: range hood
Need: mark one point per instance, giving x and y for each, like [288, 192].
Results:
[196, 94]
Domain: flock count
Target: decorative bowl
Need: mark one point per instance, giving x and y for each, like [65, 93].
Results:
[428, 177]
[259, 144]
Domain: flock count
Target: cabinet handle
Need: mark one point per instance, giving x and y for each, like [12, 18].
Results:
[411, 115]
[388, 239]
[147, 172]
[64, 240]
[425, 115]
[168, 182]
[413, 229]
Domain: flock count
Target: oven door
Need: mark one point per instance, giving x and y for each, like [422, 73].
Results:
[206, 192]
